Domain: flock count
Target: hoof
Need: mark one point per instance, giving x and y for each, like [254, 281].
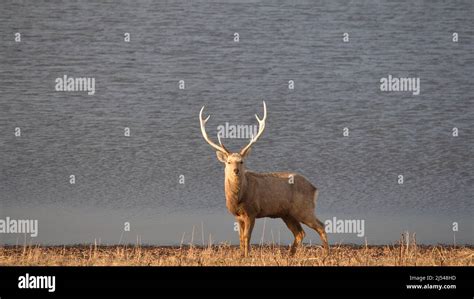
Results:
[292, 251]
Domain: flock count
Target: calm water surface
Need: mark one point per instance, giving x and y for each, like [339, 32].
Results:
[135, 179]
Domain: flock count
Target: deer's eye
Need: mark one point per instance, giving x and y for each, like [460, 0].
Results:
[228, 162]
[241, 162]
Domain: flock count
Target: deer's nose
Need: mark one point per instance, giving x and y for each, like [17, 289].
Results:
[236, 170]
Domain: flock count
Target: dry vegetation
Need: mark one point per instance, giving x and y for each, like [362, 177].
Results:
[226, 255]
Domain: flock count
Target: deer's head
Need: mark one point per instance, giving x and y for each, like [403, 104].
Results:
[234, 162]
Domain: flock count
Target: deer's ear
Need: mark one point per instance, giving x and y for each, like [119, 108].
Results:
[247, 153]
[221, 157]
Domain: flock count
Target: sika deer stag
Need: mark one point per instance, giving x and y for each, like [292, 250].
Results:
[251, 195]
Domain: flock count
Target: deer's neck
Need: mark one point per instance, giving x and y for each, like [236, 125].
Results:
[234, 190]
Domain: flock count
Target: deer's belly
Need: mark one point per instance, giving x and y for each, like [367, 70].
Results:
[274, 210]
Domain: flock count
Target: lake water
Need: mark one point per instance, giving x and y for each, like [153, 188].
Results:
[136, 179]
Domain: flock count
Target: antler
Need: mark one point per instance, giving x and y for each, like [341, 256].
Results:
[203, 122]
[261, 127]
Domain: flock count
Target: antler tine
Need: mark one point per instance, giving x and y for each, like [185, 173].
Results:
[261, 127]
[203, 122]
[221, 144]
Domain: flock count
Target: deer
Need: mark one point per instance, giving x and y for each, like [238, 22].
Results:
[251, 195]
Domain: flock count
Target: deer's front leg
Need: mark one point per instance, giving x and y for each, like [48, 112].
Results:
[241, 234]
[249, 223]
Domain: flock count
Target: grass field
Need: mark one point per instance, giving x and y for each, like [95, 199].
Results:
[226, 255]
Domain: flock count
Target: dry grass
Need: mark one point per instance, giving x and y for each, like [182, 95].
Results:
[226, 255]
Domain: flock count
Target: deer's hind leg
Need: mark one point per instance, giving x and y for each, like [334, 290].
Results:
[318, 226]
[297, 231]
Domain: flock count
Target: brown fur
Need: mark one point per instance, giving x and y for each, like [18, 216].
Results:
[251, 195]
